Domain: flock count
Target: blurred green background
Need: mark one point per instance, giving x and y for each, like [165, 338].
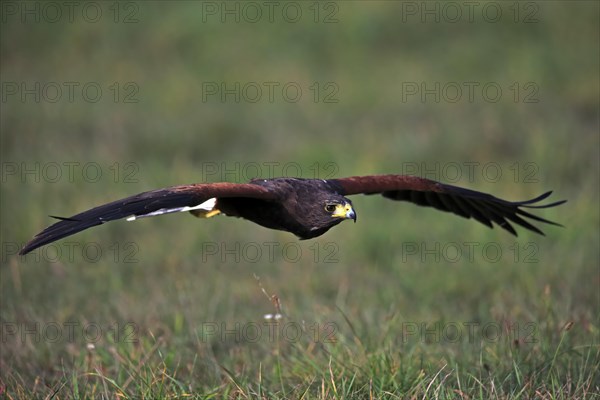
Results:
[157, 123]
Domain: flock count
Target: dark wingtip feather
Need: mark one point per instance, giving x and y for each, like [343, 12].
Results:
[536, 199]
[508, 227]
[540, 219]
[528, 203]
[63, 218]
[556, 203]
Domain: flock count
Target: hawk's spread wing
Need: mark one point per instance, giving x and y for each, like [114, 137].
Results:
[483, 207]
[155, 202]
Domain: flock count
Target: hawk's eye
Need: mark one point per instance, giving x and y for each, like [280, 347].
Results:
[330, 207]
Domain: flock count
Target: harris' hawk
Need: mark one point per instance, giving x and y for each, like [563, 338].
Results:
[305, 207]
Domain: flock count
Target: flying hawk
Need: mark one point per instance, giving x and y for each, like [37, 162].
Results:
[305, 207]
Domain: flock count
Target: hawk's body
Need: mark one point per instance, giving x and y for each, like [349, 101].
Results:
[291, 197]
[305, 207]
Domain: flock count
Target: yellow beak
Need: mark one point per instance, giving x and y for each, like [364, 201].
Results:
[344, 211]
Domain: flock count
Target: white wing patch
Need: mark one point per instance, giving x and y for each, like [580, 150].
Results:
[208, 205]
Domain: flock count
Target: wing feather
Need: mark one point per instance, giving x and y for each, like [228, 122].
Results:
[467, 203]
[175, 197]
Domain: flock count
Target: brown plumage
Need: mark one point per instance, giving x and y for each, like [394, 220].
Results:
[305, 207]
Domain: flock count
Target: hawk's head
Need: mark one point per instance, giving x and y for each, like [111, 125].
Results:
[340, 209]
[325, 213]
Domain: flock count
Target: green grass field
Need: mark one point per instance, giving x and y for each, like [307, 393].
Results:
[111, 99]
